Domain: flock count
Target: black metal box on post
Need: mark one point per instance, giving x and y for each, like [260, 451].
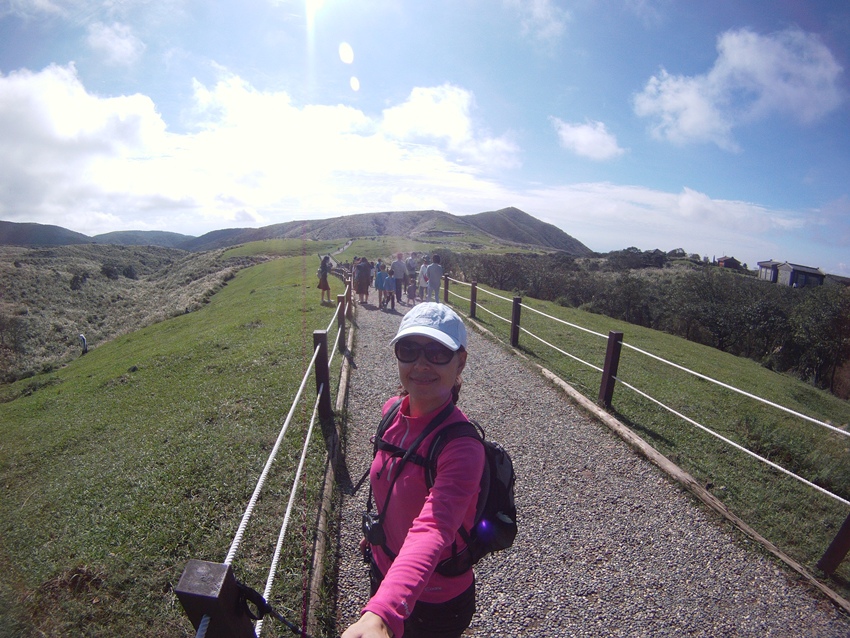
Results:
[210, 589]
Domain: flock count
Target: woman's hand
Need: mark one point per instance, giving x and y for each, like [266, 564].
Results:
[369, 626]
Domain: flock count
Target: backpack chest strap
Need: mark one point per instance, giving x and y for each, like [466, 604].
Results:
[394, 450]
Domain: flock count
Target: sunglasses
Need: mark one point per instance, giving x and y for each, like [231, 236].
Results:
[436, 353]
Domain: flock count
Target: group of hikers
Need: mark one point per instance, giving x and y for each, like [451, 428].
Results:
[417, 278]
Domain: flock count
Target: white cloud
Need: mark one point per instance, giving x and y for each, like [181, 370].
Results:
[541, 20]
[53, 134]
[607, 217]
[591, 139]
[790, 73]
[444, 114]
[115, 43]
[30, 8]
[82, 161]
[95, 164]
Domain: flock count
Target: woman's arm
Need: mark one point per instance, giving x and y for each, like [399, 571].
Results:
[369, 626]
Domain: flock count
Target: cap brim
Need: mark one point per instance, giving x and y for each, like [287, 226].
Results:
[431, 333]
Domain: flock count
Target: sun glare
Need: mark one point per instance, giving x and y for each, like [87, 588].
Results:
[312, 7]
[346, 53]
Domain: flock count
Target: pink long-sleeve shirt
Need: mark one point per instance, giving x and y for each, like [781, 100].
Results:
[421, 525]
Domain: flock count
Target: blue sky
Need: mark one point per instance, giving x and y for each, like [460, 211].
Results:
[721, 127]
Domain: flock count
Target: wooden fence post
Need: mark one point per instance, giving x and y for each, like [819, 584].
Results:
[473, 299]
[609, 372]
[515, 313]
[349, 306]
[323, 376]
[445, 289]
[340, 320]
[837, 549]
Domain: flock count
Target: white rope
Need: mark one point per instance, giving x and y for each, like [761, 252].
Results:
[454, 294]
[735, 445]
[457, 281]
[589, 365]
[566, 323]
[333, 319]
[495, 295]
[742, 392]
[276, 558]
[203, 626]
[486, 309]
[237, 540]
[335, 347]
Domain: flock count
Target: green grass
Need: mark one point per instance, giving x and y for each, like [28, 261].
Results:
[797, 518]
[309, 250]
[120, 467]
[371, 247]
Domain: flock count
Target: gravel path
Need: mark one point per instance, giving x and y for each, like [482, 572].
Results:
[608, 546]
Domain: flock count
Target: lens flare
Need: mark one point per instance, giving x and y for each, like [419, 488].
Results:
[346, 53]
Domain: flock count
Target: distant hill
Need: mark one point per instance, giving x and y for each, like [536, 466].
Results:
[159, 238]
[522, 228]
[506, 226]
[509, 226]
[33, 235]
[14, 234]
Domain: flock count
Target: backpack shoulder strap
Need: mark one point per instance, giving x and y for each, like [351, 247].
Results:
[385, 422]
[448, 434]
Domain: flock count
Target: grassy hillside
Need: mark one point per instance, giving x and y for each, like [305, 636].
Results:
[798, 519]
[525, 229]
[506, 229]
[52, 295]
[118, 468]
[26, 234]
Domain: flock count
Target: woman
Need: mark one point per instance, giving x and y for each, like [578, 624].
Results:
[324, 271]
[409, 597]
[362, 275]
[422, 279]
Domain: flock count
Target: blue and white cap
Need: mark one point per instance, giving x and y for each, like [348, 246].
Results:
[435, 321]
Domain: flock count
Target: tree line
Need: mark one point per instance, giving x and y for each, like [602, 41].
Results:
[803, 331]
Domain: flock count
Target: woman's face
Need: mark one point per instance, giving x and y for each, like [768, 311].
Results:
[429, 384]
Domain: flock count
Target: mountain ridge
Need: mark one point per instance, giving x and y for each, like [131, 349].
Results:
[506, 226]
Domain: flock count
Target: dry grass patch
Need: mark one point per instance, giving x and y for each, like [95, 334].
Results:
[53, 295]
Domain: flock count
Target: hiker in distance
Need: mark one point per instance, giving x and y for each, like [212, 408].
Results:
[362, 275]
[414, 536]
[324, 271]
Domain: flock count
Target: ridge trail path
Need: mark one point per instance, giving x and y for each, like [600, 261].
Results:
[607, 544]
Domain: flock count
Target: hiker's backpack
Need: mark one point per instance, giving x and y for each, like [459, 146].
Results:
[494, 526]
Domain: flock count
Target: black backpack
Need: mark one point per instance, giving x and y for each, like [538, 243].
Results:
[494, 526]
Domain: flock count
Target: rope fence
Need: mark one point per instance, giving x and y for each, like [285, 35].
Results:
[215, 602]
[279, 546]
[609, 377]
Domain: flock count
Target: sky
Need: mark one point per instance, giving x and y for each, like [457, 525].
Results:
[717, 126]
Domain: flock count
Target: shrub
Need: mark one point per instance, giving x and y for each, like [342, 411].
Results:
[110, 271]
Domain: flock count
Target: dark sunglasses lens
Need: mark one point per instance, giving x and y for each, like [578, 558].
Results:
[435, 353]
[408, 352]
